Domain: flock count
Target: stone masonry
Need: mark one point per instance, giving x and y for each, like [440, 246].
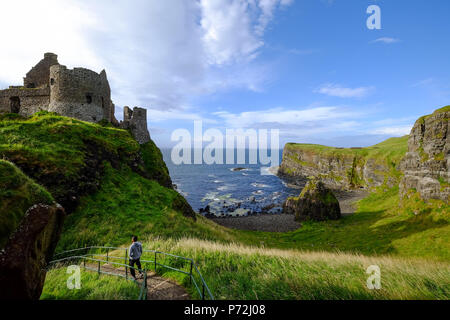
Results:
[77, 93]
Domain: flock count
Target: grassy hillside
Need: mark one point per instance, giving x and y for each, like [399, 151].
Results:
[115, 188]
[236, 271]
[17, 194]
[392, 149]
[93, 287]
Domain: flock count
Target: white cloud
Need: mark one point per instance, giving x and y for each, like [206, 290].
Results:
[393, 131]
[336, 90]
[386, 40]
[287, 118]
[157, 54]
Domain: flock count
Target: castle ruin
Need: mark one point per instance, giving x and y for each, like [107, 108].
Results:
[78, 93]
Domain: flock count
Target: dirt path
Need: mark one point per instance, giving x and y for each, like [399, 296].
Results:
[158, 288]
[286, 222]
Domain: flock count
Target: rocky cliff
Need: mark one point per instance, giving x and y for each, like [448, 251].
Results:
[427, 162]
[345, 168]
[25, 257]
[30, 226]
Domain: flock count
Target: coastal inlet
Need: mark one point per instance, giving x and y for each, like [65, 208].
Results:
[222, 190]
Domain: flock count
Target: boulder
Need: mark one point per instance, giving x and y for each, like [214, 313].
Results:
[24, 259]
[316, 202]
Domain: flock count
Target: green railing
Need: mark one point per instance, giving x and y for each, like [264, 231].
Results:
[143, 287]
[158, 259]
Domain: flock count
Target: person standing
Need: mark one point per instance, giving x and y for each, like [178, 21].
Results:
[135, 253]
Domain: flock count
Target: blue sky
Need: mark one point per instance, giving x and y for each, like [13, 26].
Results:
[310, 68]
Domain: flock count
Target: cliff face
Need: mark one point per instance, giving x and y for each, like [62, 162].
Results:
[345, 168]
[30, 226]
[28, 251]
[427, 162]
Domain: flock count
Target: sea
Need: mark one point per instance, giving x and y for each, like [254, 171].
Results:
[223, 190]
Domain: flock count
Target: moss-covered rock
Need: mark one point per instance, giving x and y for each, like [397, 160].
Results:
[316, 202]
[17, 194]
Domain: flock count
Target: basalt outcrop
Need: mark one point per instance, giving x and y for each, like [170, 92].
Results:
[426, 165]
[24, 259]
[344, 168]
[316, 202]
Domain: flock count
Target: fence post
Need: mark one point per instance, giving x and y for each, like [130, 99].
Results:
[126, 255]
[126, 272]
[146, 285]
[190, 278]
[99, 267]
[155, 261]
[107, 255]
[203, 291]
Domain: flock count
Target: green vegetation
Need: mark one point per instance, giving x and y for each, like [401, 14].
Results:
[17, 194]
[392, 149]
[236, 271]
[93, 287]
[386, 155]
[121, 189]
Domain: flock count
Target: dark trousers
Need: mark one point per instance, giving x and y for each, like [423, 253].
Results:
[138, 263]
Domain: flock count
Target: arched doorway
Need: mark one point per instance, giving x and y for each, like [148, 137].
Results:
[15, 104]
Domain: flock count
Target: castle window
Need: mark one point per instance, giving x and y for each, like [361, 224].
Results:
[88, 98]
[31, 85]
[15, 104]
[52, 81]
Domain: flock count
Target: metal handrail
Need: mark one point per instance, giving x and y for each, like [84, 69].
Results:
[142, 292]
[193, 265]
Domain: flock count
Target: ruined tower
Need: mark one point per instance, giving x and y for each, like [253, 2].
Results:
[136, 121]
[77, 93]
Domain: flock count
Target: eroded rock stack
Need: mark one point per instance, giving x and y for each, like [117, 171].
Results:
[316, 202]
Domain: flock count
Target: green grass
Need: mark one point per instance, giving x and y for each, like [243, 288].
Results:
[236, 271]
[386, 154]
[129, 204]
[93, 287]
[17, 194]
[392, 149]
[131, 197]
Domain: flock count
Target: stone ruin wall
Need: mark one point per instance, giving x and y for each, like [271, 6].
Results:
[30, 100]
[80, 93]
[136, 121]
[39, 75]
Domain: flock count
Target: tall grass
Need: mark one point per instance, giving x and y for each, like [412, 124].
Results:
[93, 287]
[236, 271]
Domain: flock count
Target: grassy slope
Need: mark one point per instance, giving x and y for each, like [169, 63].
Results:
[236, 271]
[93, 287]
[393, 149]
[17, 194]
[126, 202]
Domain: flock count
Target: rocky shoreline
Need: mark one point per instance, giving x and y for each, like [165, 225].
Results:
[286, 222]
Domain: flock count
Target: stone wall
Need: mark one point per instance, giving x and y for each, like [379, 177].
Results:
[136, 121]
[80, 93]
[25, 101]
[426, 166]
[38, 76]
